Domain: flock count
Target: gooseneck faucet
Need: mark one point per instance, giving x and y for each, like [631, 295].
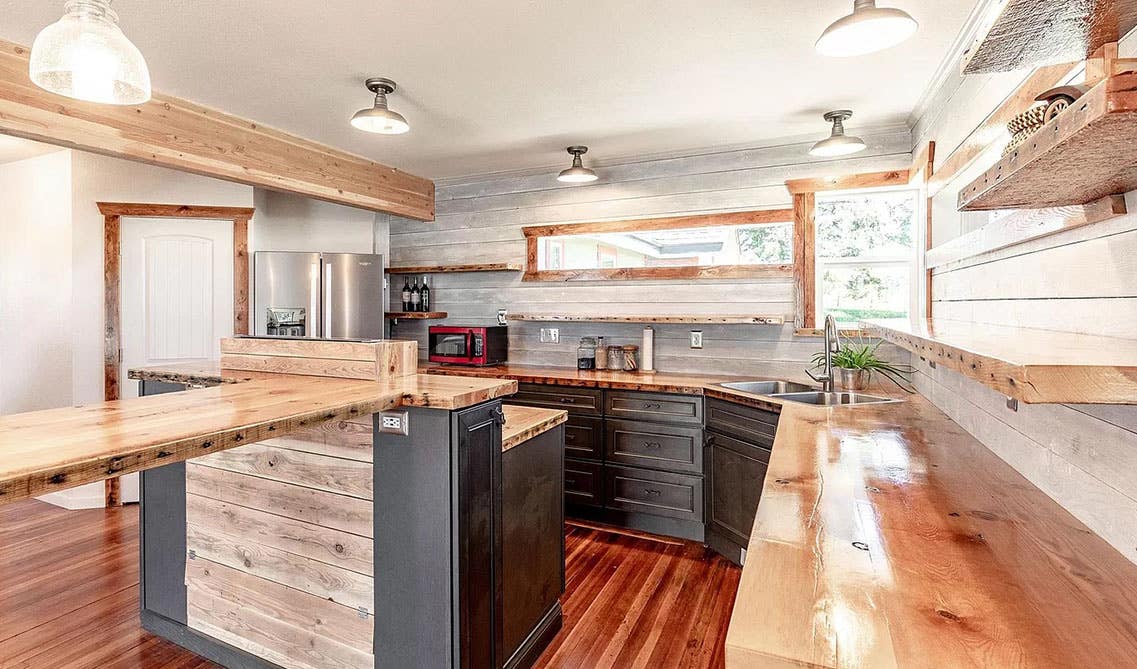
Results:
[832, 344]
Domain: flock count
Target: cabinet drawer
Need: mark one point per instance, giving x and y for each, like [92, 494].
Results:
[658, 407]
[584, 483]
[584, 437]
[745, 423]
[673, 448]
[656, 493]
[585, 401]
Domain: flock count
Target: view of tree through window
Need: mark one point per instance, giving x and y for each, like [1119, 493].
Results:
[865, 252]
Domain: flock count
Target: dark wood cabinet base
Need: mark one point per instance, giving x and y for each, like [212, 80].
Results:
[538, 640]
[691, 530]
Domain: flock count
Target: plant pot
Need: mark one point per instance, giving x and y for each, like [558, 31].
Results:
[853, 379]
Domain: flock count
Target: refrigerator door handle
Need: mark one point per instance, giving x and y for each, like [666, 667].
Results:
[327, 300]
[312, 324]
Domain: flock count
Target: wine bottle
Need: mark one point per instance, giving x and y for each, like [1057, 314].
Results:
[416, 297]
[424, 300]
[407, 294]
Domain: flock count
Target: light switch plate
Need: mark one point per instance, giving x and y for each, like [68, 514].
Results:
[696, 339]
[550, 336]
[394, 422]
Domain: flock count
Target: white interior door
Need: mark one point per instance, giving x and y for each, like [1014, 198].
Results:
[176, 296]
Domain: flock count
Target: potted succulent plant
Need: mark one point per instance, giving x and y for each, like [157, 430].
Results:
[854, 363]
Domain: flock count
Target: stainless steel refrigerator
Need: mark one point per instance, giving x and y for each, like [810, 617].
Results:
[318, 295]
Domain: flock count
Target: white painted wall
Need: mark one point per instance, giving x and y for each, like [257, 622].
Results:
[285, 222]
[1082, 280]
[479, 219]
[35, 283]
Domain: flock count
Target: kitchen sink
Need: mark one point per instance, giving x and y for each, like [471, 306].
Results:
[767, 387]
[832, 399]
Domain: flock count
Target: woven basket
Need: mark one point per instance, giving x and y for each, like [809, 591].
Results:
[1024, 125]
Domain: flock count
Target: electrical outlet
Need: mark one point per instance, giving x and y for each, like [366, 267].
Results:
[394, 422]
[550, 336]
[696, 339]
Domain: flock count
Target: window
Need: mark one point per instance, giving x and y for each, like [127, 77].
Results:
[742, 244]
[866, 255]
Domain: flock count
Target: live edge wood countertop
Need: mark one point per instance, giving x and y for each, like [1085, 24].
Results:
[44, 451]
[889, 537]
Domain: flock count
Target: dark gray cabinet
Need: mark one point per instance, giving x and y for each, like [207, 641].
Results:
[737, 452]
[673, 448]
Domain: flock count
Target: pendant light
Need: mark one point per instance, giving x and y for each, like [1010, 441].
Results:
[868, 29]
[85, 56]
[378, 118]
[838, 143]
[578, 173]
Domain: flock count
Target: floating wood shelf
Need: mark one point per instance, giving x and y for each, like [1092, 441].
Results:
[1034, 366]
[446, 269]
[1028, 33]
[583, 318]
[1085, 153]
[416, 315]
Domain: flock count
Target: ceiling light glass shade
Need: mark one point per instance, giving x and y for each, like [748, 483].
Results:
[578, 173]
[85, 56]
[838, 143]
[379, 119]
[868, 29]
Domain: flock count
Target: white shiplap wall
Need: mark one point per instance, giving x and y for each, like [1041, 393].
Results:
[479, 219]
[1084, 280]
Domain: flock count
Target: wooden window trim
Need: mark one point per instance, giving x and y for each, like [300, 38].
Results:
[112, 284]
[758, 217]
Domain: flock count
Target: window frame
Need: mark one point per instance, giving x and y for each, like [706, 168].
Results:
[684, 272]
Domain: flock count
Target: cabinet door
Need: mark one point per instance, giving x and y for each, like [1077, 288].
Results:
[737, 471]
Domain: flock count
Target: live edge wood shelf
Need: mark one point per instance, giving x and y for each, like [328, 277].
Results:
[1034, 366]
[1085, 153]
[584, 318]
[448, 269]
[416, 315]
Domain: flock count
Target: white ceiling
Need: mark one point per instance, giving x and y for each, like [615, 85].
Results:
[507, 84]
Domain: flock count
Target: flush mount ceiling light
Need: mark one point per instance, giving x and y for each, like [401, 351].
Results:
[869, 28]
[85, 56]
[838, 143]
[379, 119]
[578, 173]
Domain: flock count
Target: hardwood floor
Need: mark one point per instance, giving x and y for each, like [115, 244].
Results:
[69, 598]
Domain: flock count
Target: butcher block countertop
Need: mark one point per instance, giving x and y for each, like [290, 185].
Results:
[889, 537]
[524, 423]
[45, 451]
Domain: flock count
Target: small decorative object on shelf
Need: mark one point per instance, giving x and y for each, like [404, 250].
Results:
[856, 362]
[1058, 99]
[424, 300]
[615, 358]
[1024, 125]
[407, 294]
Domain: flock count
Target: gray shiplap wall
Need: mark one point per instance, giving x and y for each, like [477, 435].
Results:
[479, 219]
[1083, 280]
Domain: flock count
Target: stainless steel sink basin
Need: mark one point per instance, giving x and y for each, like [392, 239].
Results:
[767, 387]
[832, 399]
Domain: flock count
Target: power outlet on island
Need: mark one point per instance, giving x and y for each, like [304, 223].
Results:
[394, 422]
[696, 339]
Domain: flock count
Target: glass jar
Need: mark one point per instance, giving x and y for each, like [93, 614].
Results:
[601, 354]
[586, 353]
[630, 363]
[616, 358]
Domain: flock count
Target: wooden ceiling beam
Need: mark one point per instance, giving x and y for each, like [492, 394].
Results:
[848, 182]
[178, 134]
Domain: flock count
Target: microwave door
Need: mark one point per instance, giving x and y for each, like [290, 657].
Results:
[286, 294]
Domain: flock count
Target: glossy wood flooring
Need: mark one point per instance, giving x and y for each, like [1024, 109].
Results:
[69, 598]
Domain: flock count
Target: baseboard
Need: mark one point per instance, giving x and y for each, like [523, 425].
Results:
[538, 640]
[725, 547]
[200, 644]
[668, 527]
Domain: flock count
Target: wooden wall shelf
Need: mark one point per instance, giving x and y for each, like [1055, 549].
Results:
[416, 315]
[1028, 33]
[1034, 366]
[579, 318]
[447, 269]
[1084, 154]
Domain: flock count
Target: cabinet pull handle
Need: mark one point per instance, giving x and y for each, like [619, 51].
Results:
[570, 481]
[653, 492]
[570, 437]
[652, 444]
[567, 400]
[652, 405]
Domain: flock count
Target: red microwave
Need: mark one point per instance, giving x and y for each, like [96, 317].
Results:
[478, 346]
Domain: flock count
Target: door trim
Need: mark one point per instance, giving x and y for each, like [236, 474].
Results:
[112, 282]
